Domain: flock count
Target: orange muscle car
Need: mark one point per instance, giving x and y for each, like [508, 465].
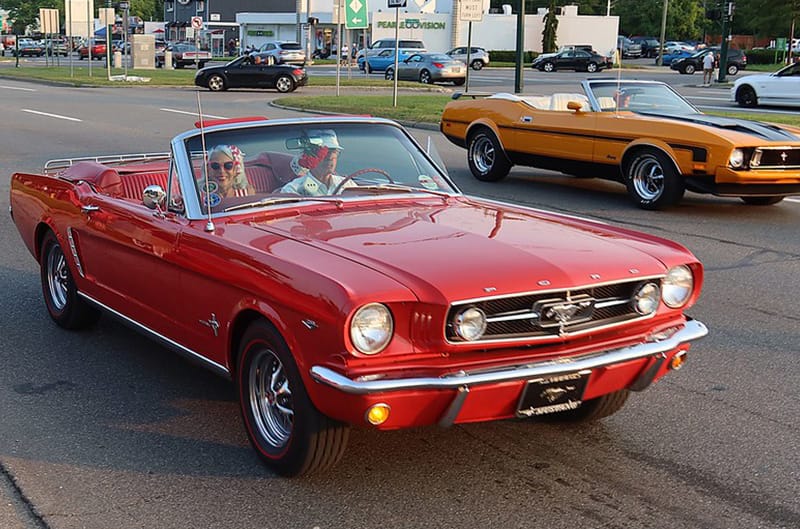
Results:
[641, 133]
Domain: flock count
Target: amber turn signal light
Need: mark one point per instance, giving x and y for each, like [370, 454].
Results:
[377, 414]
[678, 360]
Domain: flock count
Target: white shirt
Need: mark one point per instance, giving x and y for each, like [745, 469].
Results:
[708, 61]
[308, 186]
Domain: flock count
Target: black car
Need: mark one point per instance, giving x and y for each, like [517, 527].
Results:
[650, 46]
[251, 72]
[570, 60]
[737, 60]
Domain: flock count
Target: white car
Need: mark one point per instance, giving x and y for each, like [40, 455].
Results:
[781, 88]
[676, 45]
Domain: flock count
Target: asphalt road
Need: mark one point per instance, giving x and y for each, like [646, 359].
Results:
[103, 429]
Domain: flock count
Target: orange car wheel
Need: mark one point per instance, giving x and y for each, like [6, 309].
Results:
[652, 180]
[485, 156]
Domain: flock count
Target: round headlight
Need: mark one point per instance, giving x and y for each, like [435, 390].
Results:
[371, 328]
[646, 298]
[737, 158]
[677, 286]
[470, 323]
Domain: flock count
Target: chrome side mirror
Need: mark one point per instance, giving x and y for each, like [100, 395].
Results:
[154, 196]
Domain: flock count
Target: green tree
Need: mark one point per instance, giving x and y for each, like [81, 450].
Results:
[24, 14]
[550, 29]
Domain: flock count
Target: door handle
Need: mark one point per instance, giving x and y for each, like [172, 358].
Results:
[89, 209]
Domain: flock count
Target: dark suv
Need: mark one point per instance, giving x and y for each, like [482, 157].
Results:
[650, 45]
[737, 60]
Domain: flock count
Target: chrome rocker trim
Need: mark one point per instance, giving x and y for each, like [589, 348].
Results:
[692, 330]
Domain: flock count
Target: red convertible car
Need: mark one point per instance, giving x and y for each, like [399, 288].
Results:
[339, 278]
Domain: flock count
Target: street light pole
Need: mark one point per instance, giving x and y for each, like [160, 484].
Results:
[663, 32]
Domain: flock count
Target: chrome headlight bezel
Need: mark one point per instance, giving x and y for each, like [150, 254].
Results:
[469, 324]
[736, 158]
[646, 298]
[677, 286]
[371, 328]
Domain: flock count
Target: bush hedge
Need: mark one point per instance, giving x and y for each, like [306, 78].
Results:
[511, 55]
[764, 56]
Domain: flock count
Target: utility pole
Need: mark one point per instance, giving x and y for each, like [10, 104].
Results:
[727, 17]
[519, 81]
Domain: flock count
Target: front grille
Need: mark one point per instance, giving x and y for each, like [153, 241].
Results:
[775, 158]
[551, 314]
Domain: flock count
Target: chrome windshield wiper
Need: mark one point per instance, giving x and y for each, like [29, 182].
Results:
[396, 188]
[280, 200]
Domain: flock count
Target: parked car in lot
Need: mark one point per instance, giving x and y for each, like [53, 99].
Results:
[640, 133]
[429, 68]
[183, 54]
[478, 57]
[651, 47]
[379, 62]
[284, 52]
[28, 48]
[673, 56]
[737, 60]
[58, 47]
[338, 308]
[781, 88]
[578, 60]
[98, 50]
[627, 49]
[407, 46]
[672, 45]
[245, 72]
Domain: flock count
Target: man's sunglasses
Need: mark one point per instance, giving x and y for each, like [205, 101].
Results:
[216, 166]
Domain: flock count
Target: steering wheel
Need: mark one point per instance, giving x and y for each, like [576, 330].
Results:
[340, 185]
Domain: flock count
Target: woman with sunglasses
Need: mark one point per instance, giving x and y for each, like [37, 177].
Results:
[226, 170]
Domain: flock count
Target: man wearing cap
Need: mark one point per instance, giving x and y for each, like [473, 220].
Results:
[315, 167]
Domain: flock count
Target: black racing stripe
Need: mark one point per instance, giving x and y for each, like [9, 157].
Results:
[567, 133]
[699, 154]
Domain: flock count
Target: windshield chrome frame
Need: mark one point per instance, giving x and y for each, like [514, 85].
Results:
[588, 84]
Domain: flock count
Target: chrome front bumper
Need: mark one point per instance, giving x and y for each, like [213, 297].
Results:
[692, 330]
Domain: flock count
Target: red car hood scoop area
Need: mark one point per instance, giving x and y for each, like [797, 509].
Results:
[466, 251]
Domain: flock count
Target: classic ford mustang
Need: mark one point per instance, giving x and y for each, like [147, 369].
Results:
[641, 133]
[332, 270]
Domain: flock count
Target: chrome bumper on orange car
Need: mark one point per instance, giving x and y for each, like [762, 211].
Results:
[691, 330]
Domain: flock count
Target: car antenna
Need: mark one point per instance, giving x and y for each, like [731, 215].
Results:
[210, 223]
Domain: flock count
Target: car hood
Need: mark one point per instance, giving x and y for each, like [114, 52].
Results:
[467, 248]
[763, 131]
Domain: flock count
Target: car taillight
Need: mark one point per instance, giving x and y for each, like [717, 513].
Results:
[297, 71]
[438, 65]
[744, 58]
[283, 52]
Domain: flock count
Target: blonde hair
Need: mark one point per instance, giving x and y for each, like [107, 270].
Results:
[233, 152]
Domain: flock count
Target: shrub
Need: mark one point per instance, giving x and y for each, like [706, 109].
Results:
[511, 55]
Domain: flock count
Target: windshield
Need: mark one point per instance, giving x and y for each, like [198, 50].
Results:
[654, 98]
[247, 165]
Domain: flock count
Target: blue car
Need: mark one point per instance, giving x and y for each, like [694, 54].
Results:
[674, 56]
[379, 62]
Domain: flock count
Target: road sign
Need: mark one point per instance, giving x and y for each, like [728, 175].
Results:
[197, 22]
[355, 14]
[471, 10]
[397, 3]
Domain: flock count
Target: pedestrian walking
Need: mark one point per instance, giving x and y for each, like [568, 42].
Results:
[708, 68]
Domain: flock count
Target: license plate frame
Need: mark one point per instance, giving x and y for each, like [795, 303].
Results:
[553, 394]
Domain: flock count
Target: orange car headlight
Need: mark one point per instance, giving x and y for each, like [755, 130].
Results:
[736, 159]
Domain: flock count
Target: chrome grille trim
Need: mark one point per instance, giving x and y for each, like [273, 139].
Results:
[514, 318]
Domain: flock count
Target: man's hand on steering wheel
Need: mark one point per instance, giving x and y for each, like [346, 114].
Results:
[355, 174]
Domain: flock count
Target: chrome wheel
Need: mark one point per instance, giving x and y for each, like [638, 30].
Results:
[57, 277]
[647, 177]
[485, 156]
[284, 84]
[271, 399]
[216, 83]
[549, 67]
[483, 153]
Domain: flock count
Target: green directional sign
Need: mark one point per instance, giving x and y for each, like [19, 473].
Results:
[355, 14]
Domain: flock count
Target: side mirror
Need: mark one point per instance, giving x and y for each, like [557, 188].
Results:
[153, 197]
[574, 105]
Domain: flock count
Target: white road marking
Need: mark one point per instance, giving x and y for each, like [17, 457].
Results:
[790, 199]
[17, 88]
[49, 115]
[190, 113]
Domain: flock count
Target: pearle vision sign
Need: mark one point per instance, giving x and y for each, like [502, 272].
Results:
[412, 23]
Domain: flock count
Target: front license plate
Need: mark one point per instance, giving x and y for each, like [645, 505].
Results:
[553, 394]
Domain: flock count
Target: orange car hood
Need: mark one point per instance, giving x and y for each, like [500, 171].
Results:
[468, 249]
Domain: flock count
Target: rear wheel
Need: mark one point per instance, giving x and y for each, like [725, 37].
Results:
[733, 69]
[216, 83]
[477, 64]
[485, 156]
[652, 180]
[761, 201]
[389, 74]
[459, 82]
[286, 430]
[591, 67]
[425, 77]
[284, 84]
[61, 297]
[746, 96]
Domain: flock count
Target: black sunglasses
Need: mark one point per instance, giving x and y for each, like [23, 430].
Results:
[216, 165]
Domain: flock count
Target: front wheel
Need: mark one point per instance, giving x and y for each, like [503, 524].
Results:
[287, 431]
[61, 297]
[688, 69]
[746, 96]
[284, 84]
[549, 67]
[477, 64]
[591, 67]
[216, 83]
[761, 201]
[652, 180]
[486, 158]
